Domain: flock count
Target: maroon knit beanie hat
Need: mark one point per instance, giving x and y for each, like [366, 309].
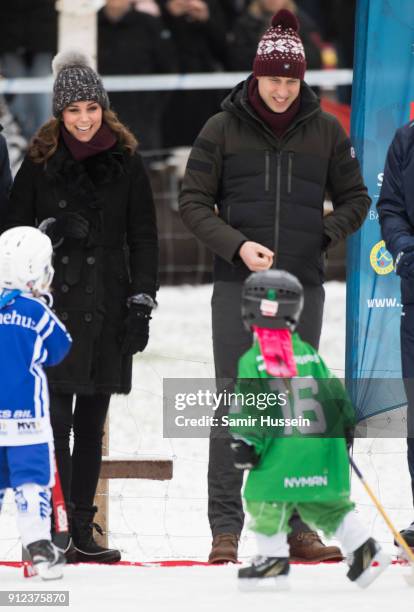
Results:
[280, 51]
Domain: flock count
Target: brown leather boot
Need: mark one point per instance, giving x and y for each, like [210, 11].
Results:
[224, 548]
[307, 546]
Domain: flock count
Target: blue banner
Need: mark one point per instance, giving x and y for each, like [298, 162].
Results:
[383, 92]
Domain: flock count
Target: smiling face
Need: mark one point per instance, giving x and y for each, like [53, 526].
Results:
[278, 93]
[83, 119]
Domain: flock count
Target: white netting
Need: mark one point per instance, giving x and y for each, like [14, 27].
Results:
[152, 520]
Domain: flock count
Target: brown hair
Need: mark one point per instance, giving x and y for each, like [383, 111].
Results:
[46, 140]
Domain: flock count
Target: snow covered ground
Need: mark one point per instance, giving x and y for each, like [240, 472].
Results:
[152, 520]
[317, 588]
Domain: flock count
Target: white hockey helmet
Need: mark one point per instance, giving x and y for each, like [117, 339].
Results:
[25, 260]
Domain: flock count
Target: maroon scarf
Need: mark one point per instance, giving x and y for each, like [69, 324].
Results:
[278, 122]
[103, 140]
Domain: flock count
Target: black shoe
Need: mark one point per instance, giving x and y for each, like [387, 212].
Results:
[47, 559]
[265, 572]
[361, 569]
[408, 535]
[87, 550]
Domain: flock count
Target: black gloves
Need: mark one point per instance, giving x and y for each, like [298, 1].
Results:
[245, 456]
[136, 330]
[68, 225]
[404, 263]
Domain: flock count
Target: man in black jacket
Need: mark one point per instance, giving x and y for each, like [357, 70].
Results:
[198, 32]
[396, 216]
[264, 164]
[133, 42]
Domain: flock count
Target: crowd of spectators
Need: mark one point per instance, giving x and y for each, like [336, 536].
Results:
[141, 37]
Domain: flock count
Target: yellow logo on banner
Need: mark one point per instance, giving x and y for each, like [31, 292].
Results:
[381, 260]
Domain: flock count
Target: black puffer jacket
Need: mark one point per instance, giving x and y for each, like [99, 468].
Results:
[272, 190]
[94, 276]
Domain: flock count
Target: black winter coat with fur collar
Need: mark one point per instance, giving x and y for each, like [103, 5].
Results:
[93, 276]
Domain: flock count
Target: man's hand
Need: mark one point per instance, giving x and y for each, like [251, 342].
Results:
[177, 8]
[198, 10]
[256, 256]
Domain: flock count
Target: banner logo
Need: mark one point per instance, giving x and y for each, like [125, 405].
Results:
[380, 259]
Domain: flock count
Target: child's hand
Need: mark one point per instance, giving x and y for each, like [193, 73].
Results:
[245, 456]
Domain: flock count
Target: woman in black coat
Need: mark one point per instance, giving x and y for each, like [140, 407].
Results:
[84, 184]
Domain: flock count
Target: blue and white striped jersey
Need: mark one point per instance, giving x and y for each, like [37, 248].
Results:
[31, 337]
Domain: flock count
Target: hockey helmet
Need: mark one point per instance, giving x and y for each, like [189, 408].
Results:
[25, 260]
[272, 299]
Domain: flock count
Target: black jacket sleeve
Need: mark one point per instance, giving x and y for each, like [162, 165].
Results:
[349, 194]
[21, 210]
[396, 228]
[142, 235]
[5, 180]
[200, 190]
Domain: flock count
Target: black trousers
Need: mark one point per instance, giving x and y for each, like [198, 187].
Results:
[230, 341]
[407, 361]
[78, 473]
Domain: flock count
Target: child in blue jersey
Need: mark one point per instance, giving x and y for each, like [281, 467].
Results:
[31, 337]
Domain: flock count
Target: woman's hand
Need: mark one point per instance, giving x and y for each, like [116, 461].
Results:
[136, 331]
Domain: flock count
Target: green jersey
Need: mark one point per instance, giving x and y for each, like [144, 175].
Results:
[297, 426]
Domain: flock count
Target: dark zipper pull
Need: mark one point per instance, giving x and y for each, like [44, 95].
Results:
[289, 177]
[267, 170]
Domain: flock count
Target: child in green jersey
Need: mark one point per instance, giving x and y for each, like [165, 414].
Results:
[291, 420]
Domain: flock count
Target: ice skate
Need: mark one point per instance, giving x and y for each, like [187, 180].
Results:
[408, 535]
[47, 560]
[265, 573]
[366, 563]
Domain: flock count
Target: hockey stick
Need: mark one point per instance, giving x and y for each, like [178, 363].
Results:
[61, 535]
[398, 537]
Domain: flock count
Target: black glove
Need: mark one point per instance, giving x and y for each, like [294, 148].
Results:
[404, 263]
[245, 456]
[68, 225]
[136, 330]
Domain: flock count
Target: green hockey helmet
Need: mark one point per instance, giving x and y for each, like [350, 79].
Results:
[272, 299]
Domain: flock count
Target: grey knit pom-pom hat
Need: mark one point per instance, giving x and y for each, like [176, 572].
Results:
[75, 81]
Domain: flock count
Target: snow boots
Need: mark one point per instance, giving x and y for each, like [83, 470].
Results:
[224, 548]
[47, 559]
[307, 546]
[361, 569]
[304, 546]
[265, 573]
[87, 549]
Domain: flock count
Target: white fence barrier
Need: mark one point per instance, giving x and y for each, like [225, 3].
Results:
[170, 82]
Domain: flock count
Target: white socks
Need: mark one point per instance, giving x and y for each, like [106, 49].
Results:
[33, 512]
[351, 533]
[272, 546]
